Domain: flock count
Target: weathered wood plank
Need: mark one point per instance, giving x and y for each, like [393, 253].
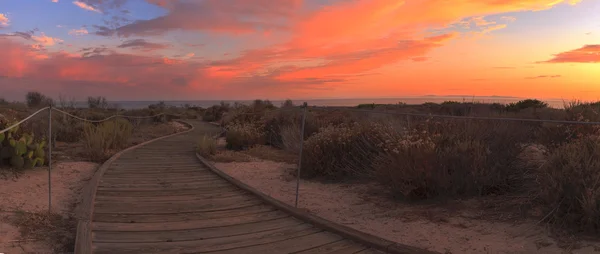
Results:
[170, 209]
[198, 187]
[165, 201]
[338, 247]
[289, 245]
[157, 180]
[185, 225]
[207, 245]
[194, 234]
[197, 191]
[248, 211]
[163, 184]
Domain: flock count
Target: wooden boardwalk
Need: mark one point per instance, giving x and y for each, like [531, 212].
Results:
[158, 198]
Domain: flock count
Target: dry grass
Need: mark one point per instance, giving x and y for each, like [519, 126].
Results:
[107, 136]
[207, 146]
[50, 228]
[569, 184]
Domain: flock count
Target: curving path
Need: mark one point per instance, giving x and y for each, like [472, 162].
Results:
[158, 198]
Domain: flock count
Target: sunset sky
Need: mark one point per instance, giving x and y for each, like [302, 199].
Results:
[299, 49]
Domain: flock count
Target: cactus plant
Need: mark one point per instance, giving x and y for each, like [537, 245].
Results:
[20, 148]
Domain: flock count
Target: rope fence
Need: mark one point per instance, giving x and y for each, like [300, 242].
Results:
[302, 125]
[50, 144]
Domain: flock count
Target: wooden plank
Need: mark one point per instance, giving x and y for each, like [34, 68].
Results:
[165, 201]
[162, 193]
[374, 251]
[198, 173]
[157, 180]
[209, 245]
[340, 247]
[251, 210]
[180, 208]
[162, 184]
[162, 226]
[194, 234]
[205, 186]
[153, 174]
[192, 196]
[290, 245]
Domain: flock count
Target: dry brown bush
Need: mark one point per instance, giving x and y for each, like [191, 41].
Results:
[569, 184]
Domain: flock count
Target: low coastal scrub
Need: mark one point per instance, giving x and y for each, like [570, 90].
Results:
[105, 137]
[424, 157]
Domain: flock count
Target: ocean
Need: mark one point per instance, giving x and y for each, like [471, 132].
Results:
[556, 103]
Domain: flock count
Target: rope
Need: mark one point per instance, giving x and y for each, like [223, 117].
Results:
[105, 119]
[79, 118]
[465, 117]
[24, 120]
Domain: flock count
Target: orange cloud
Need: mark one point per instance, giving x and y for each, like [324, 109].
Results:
[86, 6]
[354, 37]
[585, 54]
[3, 20]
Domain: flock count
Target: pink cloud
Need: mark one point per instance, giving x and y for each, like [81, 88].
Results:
[81, 31]
[3, 20]
[45, 40]
[86, 6]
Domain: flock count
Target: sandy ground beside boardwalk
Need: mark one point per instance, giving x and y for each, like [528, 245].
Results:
[357, 206]
[29, 193]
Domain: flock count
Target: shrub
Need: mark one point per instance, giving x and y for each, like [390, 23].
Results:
[524, 104]
[274, 121]
[207, 146]
[239, 137]
[37, 99]
[107, 136]
[287, 104]
[215, 113]
[290, 138]
[569, 184]
[97, 102]
[454, 158]
[338, 152]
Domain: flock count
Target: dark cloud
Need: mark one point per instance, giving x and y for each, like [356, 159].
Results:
[141, 44]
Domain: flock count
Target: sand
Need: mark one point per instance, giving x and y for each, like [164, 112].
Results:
[29, 193]
[357, 206]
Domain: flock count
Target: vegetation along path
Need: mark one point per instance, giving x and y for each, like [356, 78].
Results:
[159, 198]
